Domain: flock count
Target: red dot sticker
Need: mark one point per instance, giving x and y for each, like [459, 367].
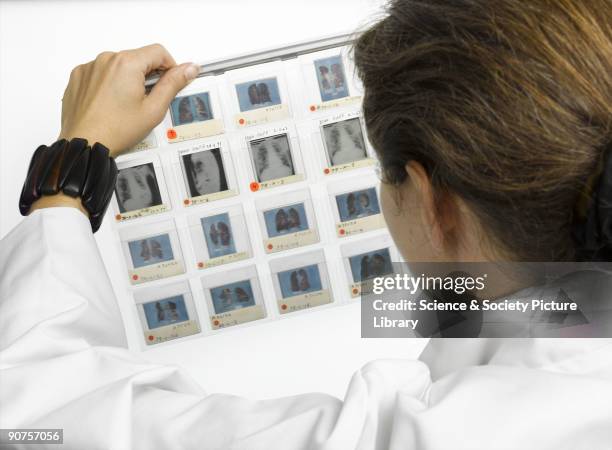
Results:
[134, 277]
[151, 337]
[270, 246]
[283, 307]
[171, 133]
[254, 186]
[342, 231]
[313, 108]
[118, 217]
[326, 171]
[355, 291]
[241, 121]
[186, 201]
[216, 323]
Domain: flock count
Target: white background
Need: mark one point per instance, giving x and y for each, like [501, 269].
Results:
[41, 41]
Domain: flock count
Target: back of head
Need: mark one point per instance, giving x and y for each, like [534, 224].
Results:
[506, 104]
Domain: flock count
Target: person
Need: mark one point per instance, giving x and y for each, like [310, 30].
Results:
[489, 119]
[205, 173]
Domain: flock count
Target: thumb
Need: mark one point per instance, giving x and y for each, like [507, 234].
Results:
[170, 83]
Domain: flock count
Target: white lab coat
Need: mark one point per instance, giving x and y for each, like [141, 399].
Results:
[63, 364]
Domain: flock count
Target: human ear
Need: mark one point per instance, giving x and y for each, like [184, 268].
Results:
[426, 199]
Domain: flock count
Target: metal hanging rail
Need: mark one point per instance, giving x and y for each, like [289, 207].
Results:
[261, 57]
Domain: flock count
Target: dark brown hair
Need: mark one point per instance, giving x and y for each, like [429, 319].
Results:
[506, 103]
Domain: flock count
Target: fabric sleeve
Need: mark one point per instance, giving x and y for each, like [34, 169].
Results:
[63, 364]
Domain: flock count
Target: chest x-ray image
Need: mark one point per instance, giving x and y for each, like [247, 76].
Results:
[271, 158]
[370, 265]
[258, 94]
[358, 204]
[204, 172]
[151, 250]
[218, 234]
[300, 281]
[191, 108]
[332, 82]
[289, 219]
[165, 312]
[232, 296]
[344, 142]
[137, 188]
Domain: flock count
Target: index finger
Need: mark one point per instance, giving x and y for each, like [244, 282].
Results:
[152, 57]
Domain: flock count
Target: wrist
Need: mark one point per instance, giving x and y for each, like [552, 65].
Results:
[91, 135]
[73, 174]
[58, 200]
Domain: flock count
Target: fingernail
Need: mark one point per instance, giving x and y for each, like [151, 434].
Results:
[191, 71]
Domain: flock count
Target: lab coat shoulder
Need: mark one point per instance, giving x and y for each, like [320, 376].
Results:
[511, 407]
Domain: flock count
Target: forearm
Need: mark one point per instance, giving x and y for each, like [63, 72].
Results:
[54, 290]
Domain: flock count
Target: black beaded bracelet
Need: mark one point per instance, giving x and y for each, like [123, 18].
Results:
[75, 169]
